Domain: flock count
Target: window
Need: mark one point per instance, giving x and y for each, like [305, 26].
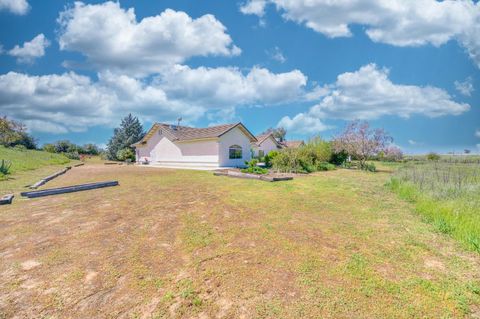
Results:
[234, 151]
[261, 153]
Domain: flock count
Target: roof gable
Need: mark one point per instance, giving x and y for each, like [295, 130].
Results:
[263, 137]
[186, 133]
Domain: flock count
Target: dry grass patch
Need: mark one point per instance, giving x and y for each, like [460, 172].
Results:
[186, 244]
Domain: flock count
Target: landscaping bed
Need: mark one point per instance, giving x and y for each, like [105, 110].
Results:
[269, 177]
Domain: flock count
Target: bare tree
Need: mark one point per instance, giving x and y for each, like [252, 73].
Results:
[279, 133]
[361, 142]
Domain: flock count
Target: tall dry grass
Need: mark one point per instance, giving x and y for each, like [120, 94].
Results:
[446, 194]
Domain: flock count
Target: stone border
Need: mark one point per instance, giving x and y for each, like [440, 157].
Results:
[265, 178]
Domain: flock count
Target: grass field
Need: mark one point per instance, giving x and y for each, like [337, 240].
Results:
[446, 194]
[25, 160]
[187, 244]
[27, 167]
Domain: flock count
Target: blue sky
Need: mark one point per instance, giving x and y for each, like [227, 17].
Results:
[72, 70]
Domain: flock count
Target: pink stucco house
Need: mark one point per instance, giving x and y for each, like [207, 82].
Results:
[167, 145]
[264, 144]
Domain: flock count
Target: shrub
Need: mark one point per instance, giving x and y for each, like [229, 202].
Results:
[20, 147]
[370, 167]
[287, 161]
[268, 158]
[433, 156]
[49, 148]
[339, 158]
[304, 159]
[5, 167]
[72, 155]
[255, 170]
[125, 154]
[325, 166]
[252, 163]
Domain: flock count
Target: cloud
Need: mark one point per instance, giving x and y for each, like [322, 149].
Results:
[413, 142]
[54, 103]
[303, 124]
[19, 7]
[30, 50]
[477, 133]
[72, 102]
[369, 94]
[465, 87]
[112, 38]
[277, 55]
[256, 7]
[229, 86]
[395, 22]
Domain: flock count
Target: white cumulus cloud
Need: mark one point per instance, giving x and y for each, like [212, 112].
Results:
[112, 38]
[395, 22]
[465, 87]
[303, 124]
[19, 7]
[256, 7]
[477, 133]
[229, 86]
[368, 93]
[72, 102]
[30, 50]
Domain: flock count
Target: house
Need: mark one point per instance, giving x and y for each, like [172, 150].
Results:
[264, 144]
[293, 144]
[202, 148]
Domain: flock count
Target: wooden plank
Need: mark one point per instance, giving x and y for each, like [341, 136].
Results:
[7, 199]
[276, 179]
[49, 178]
[111, 163]
[79, 164]
[252, 176]
[68, 189]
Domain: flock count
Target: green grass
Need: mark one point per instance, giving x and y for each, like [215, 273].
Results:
[446, 195]
[27, 167]
[25, 160]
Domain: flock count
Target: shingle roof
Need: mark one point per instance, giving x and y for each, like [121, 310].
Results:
[262, 137]
[186, 133]
[293, 144]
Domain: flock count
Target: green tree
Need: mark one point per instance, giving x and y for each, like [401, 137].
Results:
[15, 133]
[129, 132]
[90, 149]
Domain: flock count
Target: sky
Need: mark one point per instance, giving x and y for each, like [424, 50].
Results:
[72, 70]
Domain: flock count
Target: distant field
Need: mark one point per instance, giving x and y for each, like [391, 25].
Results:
[446, 194]
[186, 244]
[474, 159]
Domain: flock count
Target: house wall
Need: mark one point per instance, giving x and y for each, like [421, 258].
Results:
[234, 137]
[159, 149]
[267, 146]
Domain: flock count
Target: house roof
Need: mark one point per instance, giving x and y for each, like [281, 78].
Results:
[187, 133]
[263, 137]
[293, 144]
